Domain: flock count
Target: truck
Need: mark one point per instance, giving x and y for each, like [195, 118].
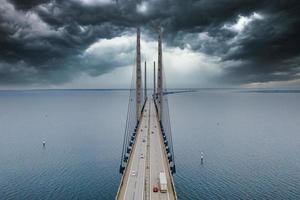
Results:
[163, 182]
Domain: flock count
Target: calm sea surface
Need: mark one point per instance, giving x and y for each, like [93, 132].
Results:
[251, 144]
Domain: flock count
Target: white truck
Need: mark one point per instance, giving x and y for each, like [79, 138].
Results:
[163, 182]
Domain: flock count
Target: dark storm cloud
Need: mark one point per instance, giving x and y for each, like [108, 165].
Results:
[28, 4]
[270, 47]
[47, 37]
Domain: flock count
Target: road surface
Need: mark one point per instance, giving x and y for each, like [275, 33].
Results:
[147, 160]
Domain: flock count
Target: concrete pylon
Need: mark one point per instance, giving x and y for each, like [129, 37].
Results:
[160, 76]
[138, 76]
[145, 79]
[154, 80]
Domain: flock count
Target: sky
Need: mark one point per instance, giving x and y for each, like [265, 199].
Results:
[206, 43]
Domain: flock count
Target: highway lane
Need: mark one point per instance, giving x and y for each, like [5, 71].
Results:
[134, 187]
[157, 158]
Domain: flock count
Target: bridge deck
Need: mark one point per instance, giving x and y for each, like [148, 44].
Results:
[146, 161]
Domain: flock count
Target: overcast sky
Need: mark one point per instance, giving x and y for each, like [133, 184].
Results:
[206, 43]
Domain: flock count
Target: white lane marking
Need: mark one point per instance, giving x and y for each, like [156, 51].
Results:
[143, 170]
[154, 151]
[143, 166]
[142, 177]
[150, 111]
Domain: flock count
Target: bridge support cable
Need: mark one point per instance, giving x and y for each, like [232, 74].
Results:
[166, 127]
[131, 124]
[136, 105]
[162, 107]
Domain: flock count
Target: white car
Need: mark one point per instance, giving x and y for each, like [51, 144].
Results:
[142, 155]
[133, 173]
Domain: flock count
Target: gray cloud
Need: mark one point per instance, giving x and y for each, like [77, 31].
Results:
[42, 41]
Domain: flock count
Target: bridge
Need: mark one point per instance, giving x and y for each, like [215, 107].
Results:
[147, 163]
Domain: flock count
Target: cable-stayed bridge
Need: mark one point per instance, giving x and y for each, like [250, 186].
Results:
[147, 163]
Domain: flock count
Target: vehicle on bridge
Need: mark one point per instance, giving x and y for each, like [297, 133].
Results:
[163, 182]
[155, 189]
[133, 173]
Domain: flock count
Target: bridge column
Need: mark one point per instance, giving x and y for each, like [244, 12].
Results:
[145, 79]
[138, 76]
[160, 76]
[154, 80]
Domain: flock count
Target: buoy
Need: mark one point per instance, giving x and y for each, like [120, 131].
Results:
[201, 157]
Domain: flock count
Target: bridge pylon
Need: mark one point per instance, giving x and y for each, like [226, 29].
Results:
[138, 76]
[160, 77]
[154, 80]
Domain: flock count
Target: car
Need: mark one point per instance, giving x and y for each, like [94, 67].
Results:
[142, 155]
[144, 140]
[155, 189]
[133, 173]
